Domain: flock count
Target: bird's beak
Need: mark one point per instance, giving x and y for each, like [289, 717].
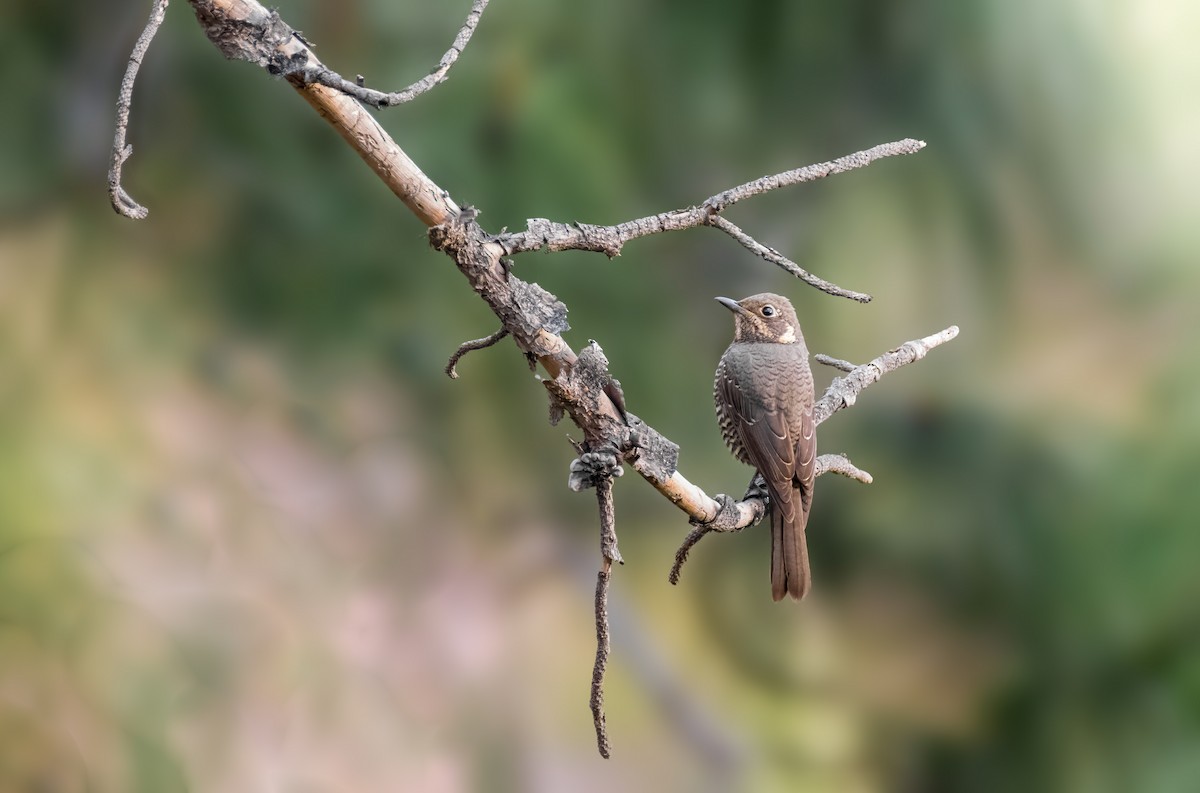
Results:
[732, 305]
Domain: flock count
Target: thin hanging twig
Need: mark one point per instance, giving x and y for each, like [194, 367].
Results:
[608, 554]
[470, 346]
[596, 702]
[121, 201]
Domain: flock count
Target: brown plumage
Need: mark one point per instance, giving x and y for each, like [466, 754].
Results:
[764, 396]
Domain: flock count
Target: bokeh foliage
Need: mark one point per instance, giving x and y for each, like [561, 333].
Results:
[252, 538]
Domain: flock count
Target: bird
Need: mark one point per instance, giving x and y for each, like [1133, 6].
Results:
[763, 392]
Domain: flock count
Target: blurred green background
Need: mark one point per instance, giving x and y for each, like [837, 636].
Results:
[253, 539]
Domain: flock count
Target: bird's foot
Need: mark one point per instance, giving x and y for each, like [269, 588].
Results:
[757, 489]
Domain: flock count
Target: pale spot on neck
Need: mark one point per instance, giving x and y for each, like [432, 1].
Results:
[789, 336]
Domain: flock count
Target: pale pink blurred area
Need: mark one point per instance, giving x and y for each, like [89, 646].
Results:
[299, 612]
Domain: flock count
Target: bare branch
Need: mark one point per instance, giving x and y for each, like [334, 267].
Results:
[318, 73]
[843, 391]
[681, 556]
[245, 30]
[840, 464]
[543, 234]
[597, 468]
[775, 257]
[608, 523]
[471, 346]
[811, 173]
[609, 554]
[601, 664]
[755, 498]
[836, 363]
[121, 201]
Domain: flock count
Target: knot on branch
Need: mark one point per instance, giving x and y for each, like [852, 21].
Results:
[656, 456]
[534, 311]
[715, 205]
[728, 517]
[283, 64]
[534, 316]
[545, 234]
[583, 388]
[254, 38]
[456, 235]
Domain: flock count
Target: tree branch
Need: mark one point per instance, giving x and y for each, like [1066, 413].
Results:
[243, 29]
[836, 363]
[580, 386]
[121, 201]
[596, 701]
[471, 346]
[788, 266]
[609, 554]
[843, 391]
[318, 73]
[550, 235]
[840, 464]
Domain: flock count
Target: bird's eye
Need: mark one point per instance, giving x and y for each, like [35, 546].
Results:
[768, 311]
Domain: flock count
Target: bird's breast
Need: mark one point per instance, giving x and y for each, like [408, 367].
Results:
[771, 376]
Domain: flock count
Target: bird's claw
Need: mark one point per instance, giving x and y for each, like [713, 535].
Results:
[757, 489]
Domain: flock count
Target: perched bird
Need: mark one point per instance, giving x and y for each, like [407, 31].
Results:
[764, 396]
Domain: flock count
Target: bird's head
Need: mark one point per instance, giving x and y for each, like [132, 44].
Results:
[763, 318]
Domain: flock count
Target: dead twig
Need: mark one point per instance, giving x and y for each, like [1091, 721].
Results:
[786, 264]
[609, 554]
[836, 363]
[471, 346]
[840, 464]
[681, 556]
[597, 469]
[322, 75]
[596, 701]
[843, 391]
[121, 201]
[543, 234]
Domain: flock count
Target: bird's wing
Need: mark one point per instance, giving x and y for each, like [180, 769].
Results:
[806, 460]
[766, 440]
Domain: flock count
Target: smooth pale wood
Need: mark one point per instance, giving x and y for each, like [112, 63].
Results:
[354, 123]
[432, 205]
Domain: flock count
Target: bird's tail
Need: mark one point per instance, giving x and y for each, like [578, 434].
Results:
[789, 548]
